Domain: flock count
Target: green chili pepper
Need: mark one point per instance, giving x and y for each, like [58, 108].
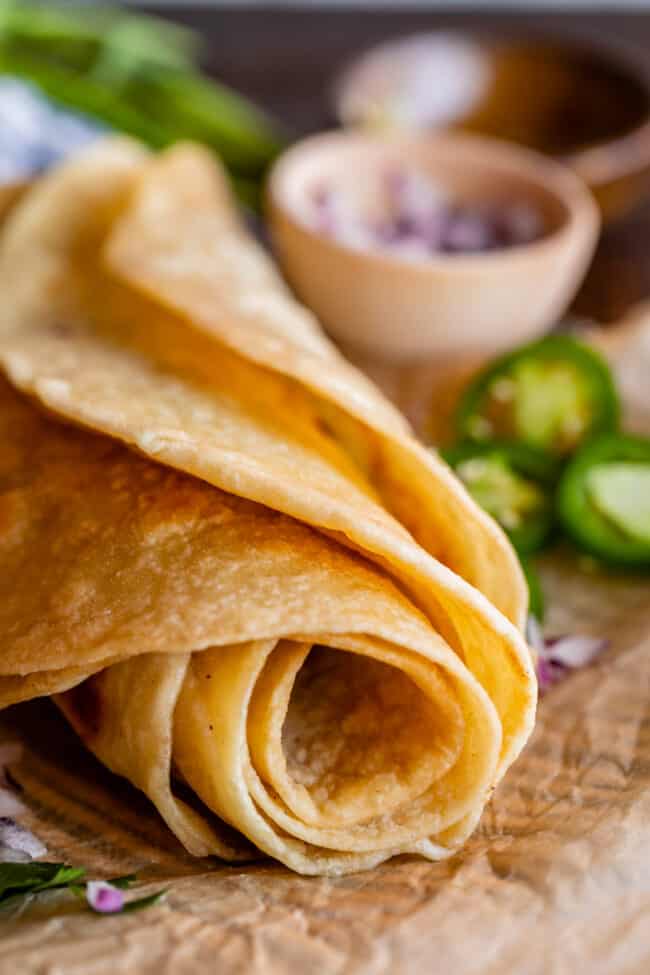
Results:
[554, 393]
[604, 500]
[76, 36]
[63, 34]
[512, 482]
[198, 108]
[138, 74]
[85, 95]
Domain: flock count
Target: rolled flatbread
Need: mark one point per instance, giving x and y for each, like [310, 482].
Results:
[134, 304]
[195, 637]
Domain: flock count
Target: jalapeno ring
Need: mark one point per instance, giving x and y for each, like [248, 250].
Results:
[512, 482]
[603, 500]
[554, 393]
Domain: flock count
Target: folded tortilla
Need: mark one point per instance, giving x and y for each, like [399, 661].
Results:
[147, 255]
[333, 570]
[285, 679]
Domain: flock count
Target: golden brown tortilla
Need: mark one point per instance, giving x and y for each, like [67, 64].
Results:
[286, 629]
[100, 353]
[181, 243]
[285, 678]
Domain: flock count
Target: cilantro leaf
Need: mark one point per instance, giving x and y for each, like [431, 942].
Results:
[142, 902]
[19, 882]
[33, 877]
[122, 883]
[65, 877]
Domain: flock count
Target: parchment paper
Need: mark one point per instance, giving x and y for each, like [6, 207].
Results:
[556, 880]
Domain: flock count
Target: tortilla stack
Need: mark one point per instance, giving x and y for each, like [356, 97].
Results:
[245, 573]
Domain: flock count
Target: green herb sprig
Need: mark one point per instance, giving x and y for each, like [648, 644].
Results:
[21, 882]
[138, 74]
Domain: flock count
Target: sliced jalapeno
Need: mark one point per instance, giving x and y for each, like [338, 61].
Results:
[554, 394]
[604, 500]
[512, 482]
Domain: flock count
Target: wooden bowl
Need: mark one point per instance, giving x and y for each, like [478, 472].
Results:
[585, 101]
[447, 306]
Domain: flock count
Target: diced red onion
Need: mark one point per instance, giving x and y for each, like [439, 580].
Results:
[18, 843]
[558, 656]
[548, 674]
[420, 221]
[103, 897]
[469, 232]
[534, 635]
[575, 651]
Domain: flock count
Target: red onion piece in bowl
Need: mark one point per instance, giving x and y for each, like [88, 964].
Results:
[418, 219]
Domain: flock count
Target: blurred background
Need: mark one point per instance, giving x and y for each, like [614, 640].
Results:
[423, 4]
[248, 78]
[426, 254]
[286, 57]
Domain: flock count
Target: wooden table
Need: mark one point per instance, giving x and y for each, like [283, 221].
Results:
[286, 59]
[556, 878]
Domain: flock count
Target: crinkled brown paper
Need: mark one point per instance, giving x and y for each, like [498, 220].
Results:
[557, 878]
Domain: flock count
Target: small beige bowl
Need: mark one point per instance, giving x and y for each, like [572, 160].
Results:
[446, 306]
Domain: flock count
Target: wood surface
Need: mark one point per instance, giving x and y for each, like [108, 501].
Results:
[555, 881]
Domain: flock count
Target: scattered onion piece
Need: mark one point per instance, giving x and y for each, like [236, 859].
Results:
[103, 897]
[558, 656]
[17, 844]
